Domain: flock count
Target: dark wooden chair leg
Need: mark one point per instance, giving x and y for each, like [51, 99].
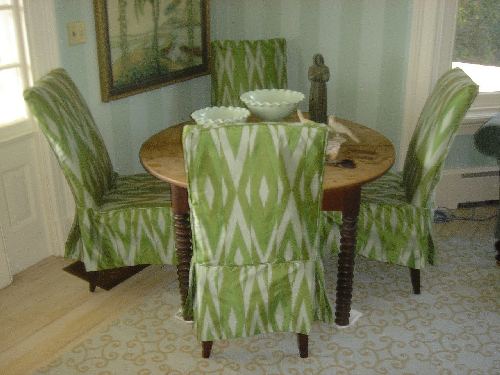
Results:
[415, 280]
[206, 347]
[497, 257]
[92, 277]
[303, 342]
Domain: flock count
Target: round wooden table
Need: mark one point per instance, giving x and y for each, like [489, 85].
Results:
[162, 156]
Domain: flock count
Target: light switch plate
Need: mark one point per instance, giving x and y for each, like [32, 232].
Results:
[76, 33]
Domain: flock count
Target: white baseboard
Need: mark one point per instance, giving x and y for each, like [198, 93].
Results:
[467, 185]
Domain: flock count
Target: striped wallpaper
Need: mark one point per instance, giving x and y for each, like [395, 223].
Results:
[364, 42]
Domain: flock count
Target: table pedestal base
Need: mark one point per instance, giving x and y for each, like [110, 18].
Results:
[348, 202]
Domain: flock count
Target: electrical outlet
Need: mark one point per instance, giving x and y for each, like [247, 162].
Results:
[76, 33]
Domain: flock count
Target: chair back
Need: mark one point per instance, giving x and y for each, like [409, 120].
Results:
[254, 191]
[255, 197]
[67, 123]
[439, 120]
[244, 65]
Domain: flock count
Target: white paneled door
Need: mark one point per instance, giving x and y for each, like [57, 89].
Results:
[22, 219]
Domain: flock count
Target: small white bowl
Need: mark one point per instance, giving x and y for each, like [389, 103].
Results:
[220, 115]
[272, 104]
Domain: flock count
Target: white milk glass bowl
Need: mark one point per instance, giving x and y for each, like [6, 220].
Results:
[272, 104]
[220, 115]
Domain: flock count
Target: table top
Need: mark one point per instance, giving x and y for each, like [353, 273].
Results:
[162, 156]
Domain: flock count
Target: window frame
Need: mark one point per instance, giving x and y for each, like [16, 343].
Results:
[37, 22]
[487, 104]
[432, 38]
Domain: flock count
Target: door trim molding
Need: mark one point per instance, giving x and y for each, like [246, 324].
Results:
[43, 41]
[431, 47]
[42, 35]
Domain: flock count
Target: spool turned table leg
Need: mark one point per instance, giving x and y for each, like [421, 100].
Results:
[350, 211]
[497, 247]
[183, 247]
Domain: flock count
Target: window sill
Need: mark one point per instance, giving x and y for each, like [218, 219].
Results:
[475, 118]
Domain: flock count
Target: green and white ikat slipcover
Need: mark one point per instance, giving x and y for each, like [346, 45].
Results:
[119, 220]
[255, 196]
[395, 219]
[239, 66]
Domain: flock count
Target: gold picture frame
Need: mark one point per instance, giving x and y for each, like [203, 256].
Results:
[146, 44]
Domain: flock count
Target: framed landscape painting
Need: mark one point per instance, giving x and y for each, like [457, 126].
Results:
[145, 44]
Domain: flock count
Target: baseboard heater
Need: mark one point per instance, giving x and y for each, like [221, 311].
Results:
[459, 186]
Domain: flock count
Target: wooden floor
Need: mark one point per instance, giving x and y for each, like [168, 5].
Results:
[46, 309]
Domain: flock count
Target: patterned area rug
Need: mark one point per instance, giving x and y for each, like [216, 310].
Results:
[453, 327]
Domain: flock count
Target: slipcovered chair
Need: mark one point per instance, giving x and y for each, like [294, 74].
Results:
[487, 141]
[396, 213]
[119, 220]
[244, 65]
[255, 193]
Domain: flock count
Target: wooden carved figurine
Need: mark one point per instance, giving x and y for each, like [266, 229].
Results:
[318, 74]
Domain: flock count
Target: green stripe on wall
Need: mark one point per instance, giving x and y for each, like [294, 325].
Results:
[364, 42]
[348, 60]
[394, 67]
